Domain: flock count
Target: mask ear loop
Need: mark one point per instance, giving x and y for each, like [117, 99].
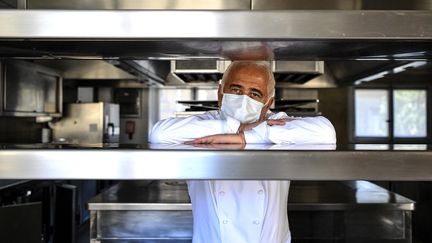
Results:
[268, 110]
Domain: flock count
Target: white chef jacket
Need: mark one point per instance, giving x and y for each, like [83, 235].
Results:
[241, 211]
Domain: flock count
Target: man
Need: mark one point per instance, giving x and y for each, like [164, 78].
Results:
[242, 211]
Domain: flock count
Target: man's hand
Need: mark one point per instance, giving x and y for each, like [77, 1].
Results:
[271, 122]
[248, 126]
[279, 122]
[230, 146]
[220, 138]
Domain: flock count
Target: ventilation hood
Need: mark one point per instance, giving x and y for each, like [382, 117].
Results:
[211, 71]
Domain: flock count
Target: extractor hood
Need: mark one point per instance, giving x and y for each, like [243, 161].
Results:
[150, 72]
[208, 71]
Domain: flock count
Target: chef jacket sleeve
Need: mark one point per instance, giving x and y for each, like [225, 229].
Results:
[180, 130]
[301, 130]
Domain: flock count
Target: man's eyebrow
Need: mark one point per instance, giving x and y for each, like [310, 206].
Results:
[256, 90]
[235, 86]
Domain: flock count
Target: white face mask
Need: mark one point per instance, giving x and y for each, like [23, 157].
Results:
[241, 107]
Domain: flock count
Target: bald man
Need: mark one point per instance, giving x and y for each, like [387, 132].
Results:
[242, 211]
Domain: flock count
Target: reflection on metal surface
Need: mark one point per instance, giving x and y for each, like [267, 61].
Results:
[285, 34]
[166, 49]
[410, 147]
[343, 4]
[253, 50]
[372, 147]
[173, 195]
[88, 123]
[232, 4]
[215, 163]
[143, 4]
[86, 69]
[394, 69]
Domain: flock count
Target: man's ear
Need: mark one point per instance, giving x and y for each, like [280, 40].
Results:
[265, 109]
[269, 103]
[220, 94]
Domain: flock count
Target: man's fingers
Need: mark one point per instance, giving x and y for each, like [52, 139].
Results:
[279, 122]
[200, 140]
[195, 141]
[220, 138]
[276, 122]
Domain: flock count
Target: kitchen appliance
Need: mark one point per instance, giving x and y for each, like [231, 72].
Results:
[88, 123]
[207, 70]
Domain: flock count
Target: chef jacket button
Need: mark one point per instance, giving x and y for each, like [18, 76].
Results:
[225, 221]
[260, 192]
[221, 193]
[256, 222]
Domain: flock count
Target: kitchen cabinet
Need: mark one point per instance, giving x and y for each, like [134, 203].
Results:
[28, 90]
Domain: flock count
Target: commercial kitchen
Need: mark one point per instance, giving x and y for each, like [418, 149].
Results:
[83, 82]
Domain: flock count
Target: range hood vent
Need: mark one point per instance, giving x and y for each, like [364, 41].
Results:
[206, 71]
[296, 78]
[199, 77]
[297, 72]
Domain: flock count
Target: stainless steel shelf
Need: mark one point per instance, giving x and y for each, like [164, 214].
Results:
[211, 164]
[142, 34]
[152, 24]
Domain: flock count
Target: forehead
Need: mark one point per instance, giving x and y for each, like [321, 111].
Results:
[251, 74]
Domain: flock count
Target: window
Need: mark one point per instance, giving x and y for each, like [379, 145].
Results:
[168, 98]
[371, 113]
[207, 94]
[390, 114]
[409, 113]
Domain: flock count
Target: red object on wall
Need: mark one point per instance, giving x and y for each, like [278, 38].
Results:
[130, 128]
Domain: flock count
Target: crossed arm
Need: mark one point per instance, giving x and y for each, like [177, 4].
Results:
[278, 129]
[239, 137]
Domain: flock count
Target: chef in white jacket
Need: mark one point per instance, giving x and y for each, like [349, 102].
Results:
[242, 211]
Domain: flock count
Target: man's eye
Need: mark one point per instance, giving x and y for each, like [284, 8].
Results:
[236, 91]
[256, 95]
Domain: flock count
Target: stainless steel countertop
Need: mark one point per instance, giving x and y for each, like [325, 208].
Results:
[277, 162]
[172, 195]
